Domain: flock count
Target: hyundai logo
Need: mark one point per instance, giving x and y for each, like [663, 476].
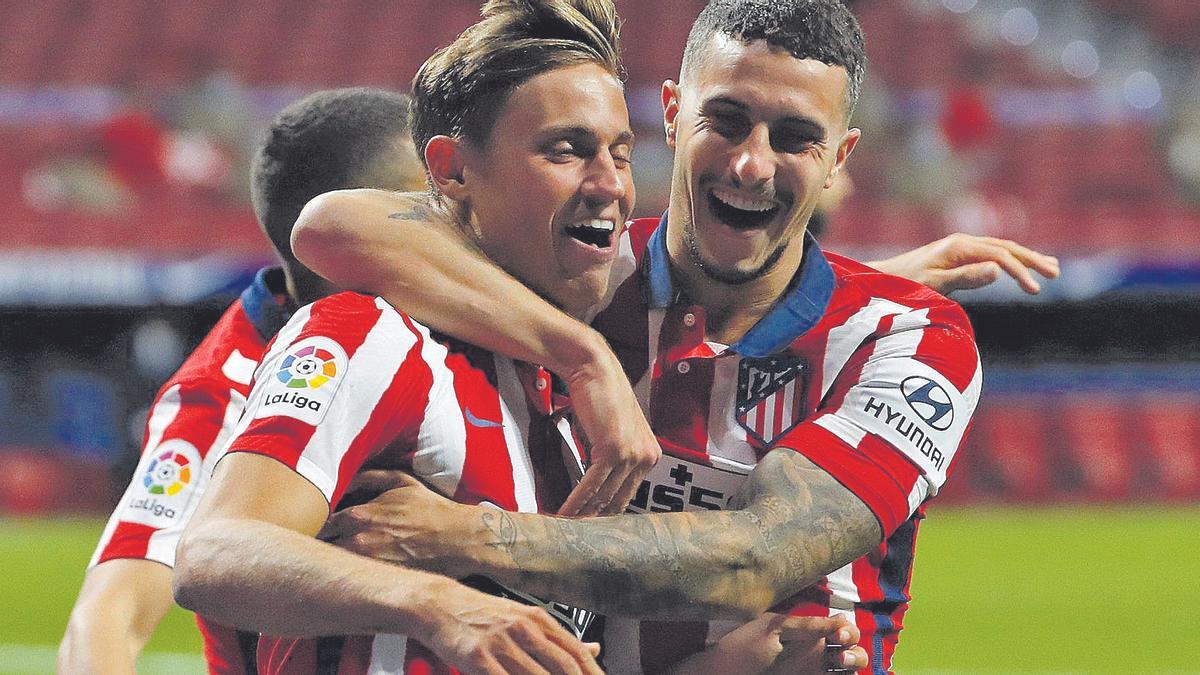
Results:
[929, 401]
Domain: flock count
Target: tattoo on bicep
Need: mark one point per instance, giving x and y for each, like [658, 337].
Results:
[414, 212]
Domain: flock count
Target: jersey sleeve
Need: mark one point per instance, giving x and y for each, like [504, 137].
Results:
[344, 379]
[188, 422]
[897, 410]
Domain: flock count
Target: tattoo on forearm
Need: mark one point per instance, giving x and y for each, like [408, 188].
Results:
[792, 525]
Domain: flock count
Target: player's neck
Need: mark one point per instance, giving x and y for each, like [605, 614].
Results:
[731, 310]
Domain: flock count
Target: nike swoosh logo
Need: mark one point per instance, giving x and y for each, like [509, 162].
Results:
[479, 422]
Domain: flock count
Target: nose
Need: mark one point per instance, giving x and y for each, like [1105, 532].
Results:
[754, 160]
[606, 182]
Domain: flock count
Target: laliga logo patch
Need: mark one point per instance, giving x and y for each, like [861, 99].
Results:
[168, 481]
[308, 376]
[309, 367]
[929, 401]
[168, 474]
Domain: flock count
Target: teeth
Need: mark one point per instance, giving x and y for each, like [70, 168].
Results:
[596, 224]
[741, 201]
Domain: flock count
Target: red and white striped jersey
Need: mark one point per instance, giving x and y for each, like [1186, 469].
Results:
[351, 383]
[872, 377]
[194, 412]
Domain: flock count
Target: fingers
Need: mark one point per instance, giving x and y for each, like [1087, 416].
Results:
[625, 495]
[583, 500]
[840, 660]
[558, 650]
[974, 275]
[1045, 265]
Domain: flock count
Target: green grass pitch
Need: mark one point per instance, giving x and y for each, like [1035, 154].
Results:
[1065, 590]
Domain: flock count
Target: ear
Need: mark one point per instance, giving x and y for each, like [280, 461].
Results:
[843, 152]
[670, 104]
[444, 157]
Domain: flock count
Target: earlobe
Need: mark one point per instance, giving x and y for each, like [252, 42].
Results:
[843, 153]
[670, 103]
[444, 157]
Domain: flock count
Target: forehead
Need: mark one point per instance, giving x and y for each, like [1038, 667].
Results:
[583, 96]
[769, 81]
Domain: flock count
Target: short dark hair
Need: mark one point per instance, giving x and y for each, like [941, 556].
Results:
[823, 30]
[326, 141]
[461, 89]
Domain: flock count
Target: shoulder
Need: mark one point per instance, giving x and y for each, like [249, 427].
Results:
[861, 288]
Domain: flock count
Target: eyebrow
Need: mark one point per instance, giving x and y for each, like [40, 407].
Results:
[574, 131]
[806, 123]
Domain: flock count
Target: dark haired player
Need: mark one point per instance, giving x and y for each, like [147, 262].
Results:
[329, 140]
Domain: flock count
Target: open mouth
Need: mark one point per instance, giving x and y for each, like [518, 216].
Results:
[595, 233]
[739, 211]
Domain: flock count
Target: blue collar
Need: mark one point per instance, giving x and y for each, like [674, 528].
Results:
[792, 316]
[260, 306]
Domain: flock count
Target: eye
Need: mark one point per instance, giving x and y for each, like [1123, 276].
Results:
[728, 124]
[792, 142]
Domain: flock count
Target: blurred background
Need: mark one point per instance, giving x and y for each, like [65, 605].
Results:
[1067, 539]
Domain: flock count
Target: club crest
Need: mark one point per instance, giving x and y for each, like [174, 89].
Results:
[770, 396]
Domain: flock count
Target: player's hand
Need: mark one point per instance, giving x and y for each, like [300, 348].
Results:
[777, 643]
[963, 261]
[479, 633]
[623, 449]
[407, 524]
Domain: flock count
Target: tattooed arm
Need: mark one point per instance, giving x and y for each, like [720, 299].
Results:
[792, 524]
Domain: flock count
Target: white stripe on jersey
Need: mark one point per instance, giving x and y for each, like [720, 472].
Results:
[238, 368]
[387, 655]
[515, 413]
[654, 321]
[727, 438]
[845, 339]
[843, 590]
[374, 363]
[441, 446]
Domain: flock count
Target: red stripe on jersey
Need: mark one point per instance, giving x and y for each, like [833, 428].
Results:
[199, 430]
[678, 412]
[129, 540]
[420, 660]
[487, 468]
[222, 650]
[397, 416]
[944, 344]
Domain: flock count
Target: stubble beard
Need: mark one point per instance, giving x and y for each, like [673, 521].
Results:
[728, 277]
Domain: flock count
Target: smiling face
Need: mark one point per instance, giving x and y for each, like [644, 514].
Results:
[758, 134]
[549, 194]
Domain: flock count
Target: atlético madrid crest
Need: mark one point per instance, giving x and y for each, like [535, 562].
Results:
[770, 396]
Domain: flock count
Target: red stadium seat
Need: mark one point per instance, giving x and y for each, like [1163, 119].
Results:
[1095, 436]
[1172, 435]
[1013, 436]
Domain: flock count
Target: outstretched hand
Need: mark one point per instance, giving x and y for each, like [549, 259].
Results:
[964, 261]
